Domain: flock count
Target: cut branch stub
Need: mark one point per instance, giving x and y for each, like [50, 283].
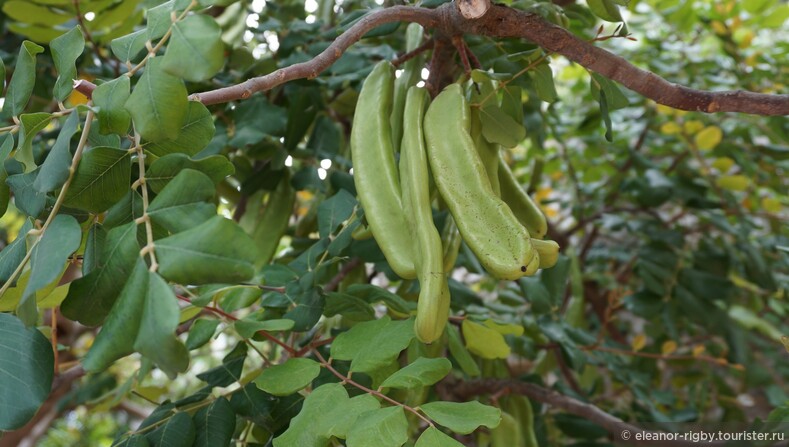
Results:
[473, 9]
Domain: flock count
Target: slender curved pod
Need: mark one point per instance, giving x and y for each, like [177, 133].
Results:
[375, 173]
[433, 306]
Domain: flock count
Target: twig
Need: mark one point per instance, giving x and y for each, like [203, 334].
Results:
[611, 423]
[231, 317]
[414, 53]
[346, 379]
[347, 268]
[149, 248]
[504, 22]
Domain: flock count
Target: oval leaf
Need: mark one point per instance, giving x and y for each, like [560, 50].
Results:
[195, 51]
[289, 377]
[158, 103]
[102, 179]
[217, 251]
[26, 369]
[462, 417]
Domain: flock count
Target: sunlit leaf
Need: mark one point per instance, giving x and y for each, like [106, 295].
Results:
[65, 51]
[195, 51]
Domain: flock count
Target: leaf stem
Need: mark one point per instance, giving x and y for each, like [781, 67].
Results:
[347, 379]
[145, 218]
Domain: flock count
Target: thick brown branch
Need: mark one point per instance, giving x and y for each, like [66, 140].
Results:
[504, 22]
[612, 424]
[501, 22]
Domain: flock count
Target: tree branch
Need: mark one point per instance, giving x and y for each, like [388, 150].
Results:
[611, 423]
[504, 22]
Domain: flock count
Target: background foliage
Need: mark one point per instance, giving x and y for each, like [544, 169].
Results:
[668, 305]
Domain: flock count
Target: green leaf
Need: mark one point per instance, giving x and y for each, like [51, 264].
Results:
[12, 254]
[27, 367]
[543, 82]
[201, 332]
[179, 431]
[2, 76]
[158, 104]
[6, 147]
[335, 211]
[247, 327]
[614, 97]
[55, 169]
[22, 81]
[102, 179]
[184, 202]
[127, 47]
[422, 372]
[373, 344]
[349, 306]
[110, 98]
[29, 125]
[49, 256]
[217, 250]
[229, 371]
[500, 128]
[195, 51]
[158, 20]
[289, 377]
[605, 9]
[195, 134]
[26, 198]
[385, 427]
[91, 297]
[160, 317]
[65, 51]
[308, 310]
[214, 424]
[462, 417]
[484, 341]
[117, 336]
[326, 412]
[433, 437]
[216, 167]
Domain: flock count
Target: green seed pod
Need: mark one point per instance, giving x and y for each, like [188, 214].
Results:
[486, 223]
[375, 173]
[524, 208]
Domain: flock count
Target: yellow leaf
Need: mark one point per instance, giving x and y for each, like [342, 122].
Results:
[504, 329]
[151, 393]
[639, 341]
[785, 341]
[737, 182]
[665, 110]
[698, 350]
[542, 193]
[771, 205]
[484, 342]
[723, 164]
[719, 27]
[668, 347]
[670, 128]
[746, 40]
[693, 126]
[708, 138]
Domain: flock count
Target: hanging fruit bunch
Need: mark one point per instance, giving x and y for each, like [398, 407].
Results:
[442, 140]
